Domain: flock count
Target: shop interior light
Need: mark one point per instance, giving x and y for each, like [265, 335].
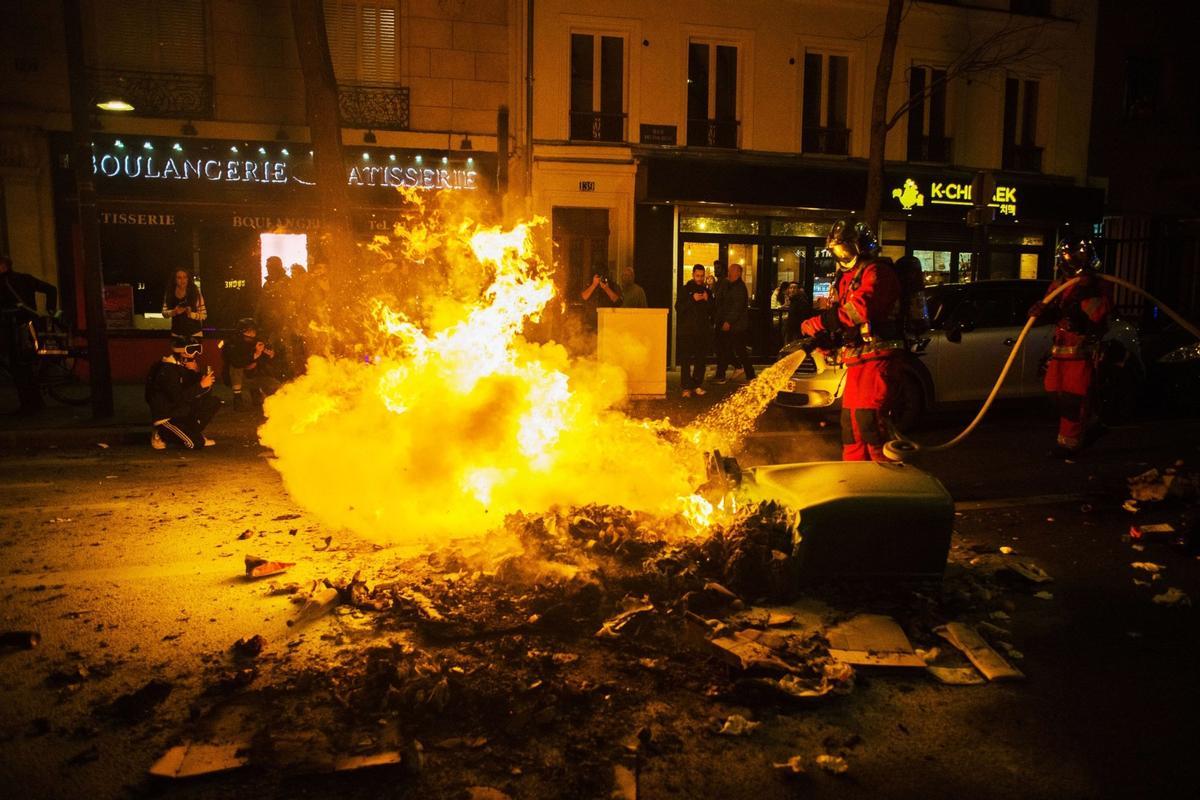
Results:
[114, 104]
[369, 137]
[188, 129]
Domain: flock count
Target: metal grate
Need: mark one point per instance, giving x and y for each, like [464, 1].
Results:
[380, 107]
[156, 94]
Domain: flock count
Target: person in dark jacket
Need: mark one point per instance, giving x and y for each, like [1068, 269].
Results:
[694, 308]
[799, 308]
[18, 307]
[733, 322]
[249, 360]
[180, 398]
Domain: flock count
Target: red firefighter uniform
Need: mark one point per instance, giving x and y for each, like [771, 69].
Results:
[865, 311]
[1083, 312]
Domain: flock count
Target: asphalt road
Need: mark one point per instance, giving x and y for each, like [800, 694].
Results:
[129, 564]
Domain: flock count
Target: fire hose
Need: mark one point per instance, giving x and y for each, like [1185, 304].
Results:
[901, 448]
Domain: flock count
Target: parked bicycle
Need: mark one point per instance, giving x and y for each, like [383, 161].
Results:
[55, 359]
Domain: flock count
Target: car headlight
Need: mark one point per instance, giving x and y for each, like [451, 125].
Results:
[1180, 355]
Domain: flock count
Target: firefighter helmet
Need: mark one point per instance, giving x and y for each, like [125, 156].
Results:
[848, 240]
[1076, 253]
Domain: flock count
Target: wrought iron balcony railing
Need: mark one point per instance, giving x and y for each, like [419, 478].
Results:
[1022, 158]
[374, 106]
[827, 141]
[931, 148]
[155, 94]
[597, 126]
[712, 133]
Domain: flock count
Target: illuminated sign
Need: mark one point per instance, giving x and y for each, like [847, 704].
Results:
[179, 167]
[951, 193]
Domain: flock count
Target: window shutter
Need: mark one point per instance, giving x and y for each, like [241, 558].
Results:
[151, 35]
[363, 40]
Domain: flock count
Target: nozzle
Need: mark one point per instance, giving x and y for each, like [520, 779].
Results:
[900, 449]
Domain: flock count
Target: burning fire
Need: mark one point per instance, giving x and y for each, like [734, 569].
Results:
[455, 419]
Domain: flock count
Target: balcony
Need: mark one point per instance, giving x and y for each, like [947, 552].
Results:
[712, 133]
[384, 108]
[1022, 158]
[938, 149]
[155, 94]
[597, 126]
[826, 141]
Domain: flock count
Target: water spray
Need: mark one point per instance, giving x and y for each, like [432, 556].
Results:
[901, 448]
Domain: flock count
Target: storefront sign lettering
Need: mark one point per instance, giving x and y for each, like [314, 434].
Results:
[270, 223]
[951, 193]
[124, 218]
[267, 171]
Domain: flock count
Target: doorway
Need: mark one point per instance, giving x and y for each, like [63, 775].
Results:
[580, 248]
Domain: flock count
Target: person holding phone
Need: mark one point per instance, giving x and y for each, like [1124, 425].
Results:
[184, 305]
[694, 310]
[180, 398]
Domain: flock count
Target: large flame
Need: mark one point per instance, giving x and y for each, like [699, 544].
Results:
[453, 419]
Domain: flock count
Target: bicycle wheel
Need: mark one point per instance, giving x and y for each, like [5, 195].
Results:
[63, 384]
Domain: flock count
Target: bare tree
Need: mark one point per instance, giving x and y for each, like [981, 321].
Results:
[1018, 42]
[325, 128]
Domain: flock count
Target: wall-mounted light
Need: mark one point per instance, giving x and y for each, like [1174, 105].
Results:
[233, 148]
[188, 129]
[114, 104]
[281, 135]
[177, 146]
[262, 151]
[119, 143]
[392, 157]
[369, 137]
[285, 152]
[366, 156]
[418, 159]
[466, 144]
[147, 146]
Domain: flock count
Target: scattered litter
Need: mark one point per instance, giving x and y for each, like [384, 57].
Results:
[246, 534]
[624, 783]
[985, 659]
[1138, 548]
[317, 604]
[1138, 582]
[138, 704]
[1029, 571]
[102, 445]
[1148, 566]
[327, 541]
[1043, 595]
[284, 588]
[249, 647]
[834, 765]
[486, 793]
[189, 760]
[1131, 506]
[20, 640]
[1152, 532]
[258, 567]
[388, 758]
[1172, 597]
[956, 676]
[743, 650]
[614, 627]
[873, 640]
[793, 766]
[737, 725]
[1001, 615]
[1006, 550]
[283, 517]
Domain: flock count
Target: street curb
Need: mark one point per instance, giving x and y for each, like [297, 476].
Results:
[93, 436]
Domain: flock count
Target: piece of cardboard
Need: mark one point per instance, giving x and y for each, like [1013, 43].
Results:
[956, 676]
[872, 640]
[189, 760]
[973, 646]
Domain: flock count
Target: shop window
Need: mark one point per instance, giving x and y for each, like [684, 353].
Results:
[747, 256]
[363, 40]
[1029, 266]
[712, 89]
[927, 139]
[935, 265]
[702, 253]
[714, 224]
[143, 258]
[825, 104]
[150, 35]
[292, 249]
[1021, 151]
[810, 229]
[597, 88]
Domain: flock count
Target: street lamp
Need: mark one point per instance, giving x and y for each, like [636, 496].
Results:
[114, 104]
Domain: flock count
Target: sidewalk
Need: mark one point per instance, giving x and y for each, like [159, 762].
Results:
[58, 425]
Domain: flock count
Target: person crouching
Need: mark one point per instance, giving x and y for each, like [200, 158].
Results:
[180, 398]
[250, 361]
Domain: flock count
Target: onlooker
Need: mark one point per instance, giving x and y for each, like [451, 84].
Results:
[607, 297]
[800, 308]
[733, 321]
[184, 305]
[302, 299]
[632, 295]
[249, 361]
[180, 398]
[693, 331]
[276, 309]
[779, 299]
[18, 306]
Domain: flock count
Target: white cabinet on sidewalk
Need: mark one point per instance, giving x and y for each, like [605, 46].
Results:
[635, 339]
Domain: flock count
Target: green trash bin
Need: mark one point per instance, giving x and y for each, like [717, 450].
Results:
[860, 519]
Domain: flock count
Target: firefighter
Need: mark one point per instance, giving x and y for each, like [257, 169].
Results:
[864, 316]
[1081, 316]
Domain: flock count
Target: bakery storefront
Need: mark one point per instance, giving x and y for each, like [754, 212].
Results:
[771, 216]
[220, 209]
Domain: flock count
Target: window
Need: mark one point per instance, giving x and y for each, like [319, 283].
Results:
[712, 95]
[597, 87]
[1020, 126]
[927, 140]
[363, 40]
[826, 98]
[1141, 87]
[150, 36]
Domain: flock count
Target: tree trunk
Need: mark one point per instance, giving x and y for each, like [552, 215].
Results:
[879, 100]
[325, 130]
[99, 368]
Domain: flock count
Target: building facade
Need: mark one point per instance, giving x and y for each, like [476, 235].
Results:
[675, 133]
[211, 169]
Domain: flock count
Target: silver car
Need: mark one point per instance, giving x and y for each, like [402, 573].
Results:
[973, 329]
